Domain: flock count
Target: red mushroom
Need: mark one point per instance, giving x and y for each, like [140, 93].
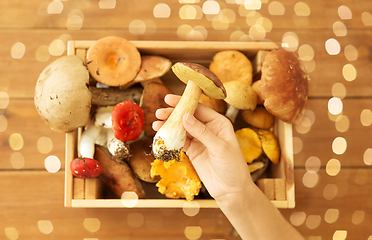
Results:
[128, 121]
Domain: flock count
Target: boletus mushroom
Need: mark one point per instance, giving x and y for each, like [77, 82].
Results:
[284, 85]
[62, 97]
[171, 137]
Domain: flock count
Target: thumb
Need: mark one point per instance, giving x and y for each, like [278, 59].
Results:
[199, 131]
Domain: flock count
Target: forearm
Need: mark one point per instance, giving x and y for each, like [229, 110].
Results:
[255, 217]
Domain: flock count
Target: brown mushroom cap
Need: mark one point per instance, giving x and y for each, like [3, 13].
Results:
[202, 76]
[284, 85]
[153, 99]
[113, 61]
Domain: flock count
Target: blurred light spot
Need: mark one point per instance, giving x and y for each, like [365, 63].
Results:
[330, 191]
[236, 36]
[290, 41]
[191, 208]
[367, 18]
[333, 167]
[243, 11]
[306, 52]
[161, 10]
[297, 145]
[57, 47]
[135, 220]
[183, 31]
[344, 12]
[358, 217]
[16, 141]
[150, 26]
[190, 12]
[55, 7]
[310, 179]
[129, 199]
[154, 222]
[65, 38]
[229, 14]
[252, 18]
[339, 29]
[342, 123]
[310, 115]
[349, 72]
[276, 8]
[201, 31]
[300, 20]
[52, 164]
[252, 4]
[17, 160]
[220, 22]
[92, 224]
[339, 90]
[257, 32]
[44, 145]
[331, 215]
[11, 233]
[45, 226]
[361, 176]
[137, 27]
[297, 218]
[193, 232]
[4, 100]
[335, 106]
[265, 23]
[107, 4]
[304, 125]
[351, 53]
[75, 19]
[188, 1]
[332, 46]
[366, 117]
[18, 50]
[3, 123]
[367, 157]
[313, 164]
[339, 145]
[313, 221]
[42, 53]
[211, 7]
[309, 66]
[340, 235]
[302, 9]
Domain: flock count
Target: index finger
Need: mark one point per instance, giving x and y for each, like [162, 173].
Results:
[202, 112]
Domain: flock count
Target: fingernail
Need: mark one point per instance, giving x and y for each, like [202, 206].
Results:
[190, 118]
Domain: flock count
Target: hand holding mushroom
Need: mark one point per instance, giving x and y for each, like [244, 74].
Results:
[171, 137]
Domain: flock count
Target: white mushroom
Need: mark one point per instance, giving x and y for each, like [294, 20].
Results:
[171, 137]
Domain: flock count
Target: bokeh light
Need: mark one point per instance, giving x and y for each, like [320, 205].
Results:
[16, 141]
[107, 4]
[193, 232]
[367, 18]
[42, 53]
[306, 52]
[330, 191]
[349, 72]
[135, 220]
[339, 29]
[252, 4]
[75, 19]
[339, 90]
[351, 53]
[302, 9]
[211, 7]
[55, 7]
[17, 161]
[137, 27]
[11, 233]
[313, 164]
[310, 179]
[344, 12]
[367, 157]
[313, 221]
[191, 208]
[331, 215]
[290, 41]
[342, 123]
[358, 217]
[44, 145]
[339, 235]
[366, 117]
[18, 50]
[339, 145]
[4, 100]
[52, 164]
[129, 199]
[276, 8]
[45, 226]
[190, 12]
[3, 123]
[297, 218]
[332, 46]
[92, 224]
[335, 106]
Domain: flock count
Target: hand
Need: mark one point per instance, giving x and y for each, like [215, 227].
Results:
[212, 148]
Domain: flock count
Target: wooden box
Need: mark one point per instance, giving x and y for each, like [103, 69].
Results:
[278, 186]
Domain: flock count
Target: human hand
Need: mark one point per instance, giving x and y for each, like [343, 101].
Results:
[212, 148]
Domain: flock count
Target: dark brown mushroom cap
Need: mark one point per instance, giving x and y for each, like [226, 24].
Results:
[202, 76]
[284, 86]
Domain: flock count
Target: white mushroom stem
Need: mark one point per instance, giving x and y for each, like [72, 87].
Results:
[87, 141]
[171, 137]
[117, 148]
[231, 113]
[103, 117]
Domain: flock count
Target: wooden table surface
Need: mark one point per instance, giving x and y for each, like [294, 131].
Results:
[333, 144]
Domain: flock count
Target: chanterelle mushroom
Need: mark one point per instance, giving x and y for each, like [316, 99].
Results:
[171, 137]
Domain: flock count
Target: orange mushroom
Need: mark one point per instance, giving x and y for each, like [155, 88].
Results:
[113, 61]
[259, 117]
[250, 144]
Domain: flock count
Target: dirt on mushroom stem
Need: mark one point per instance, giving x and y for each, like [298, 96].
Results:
[164, 154]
